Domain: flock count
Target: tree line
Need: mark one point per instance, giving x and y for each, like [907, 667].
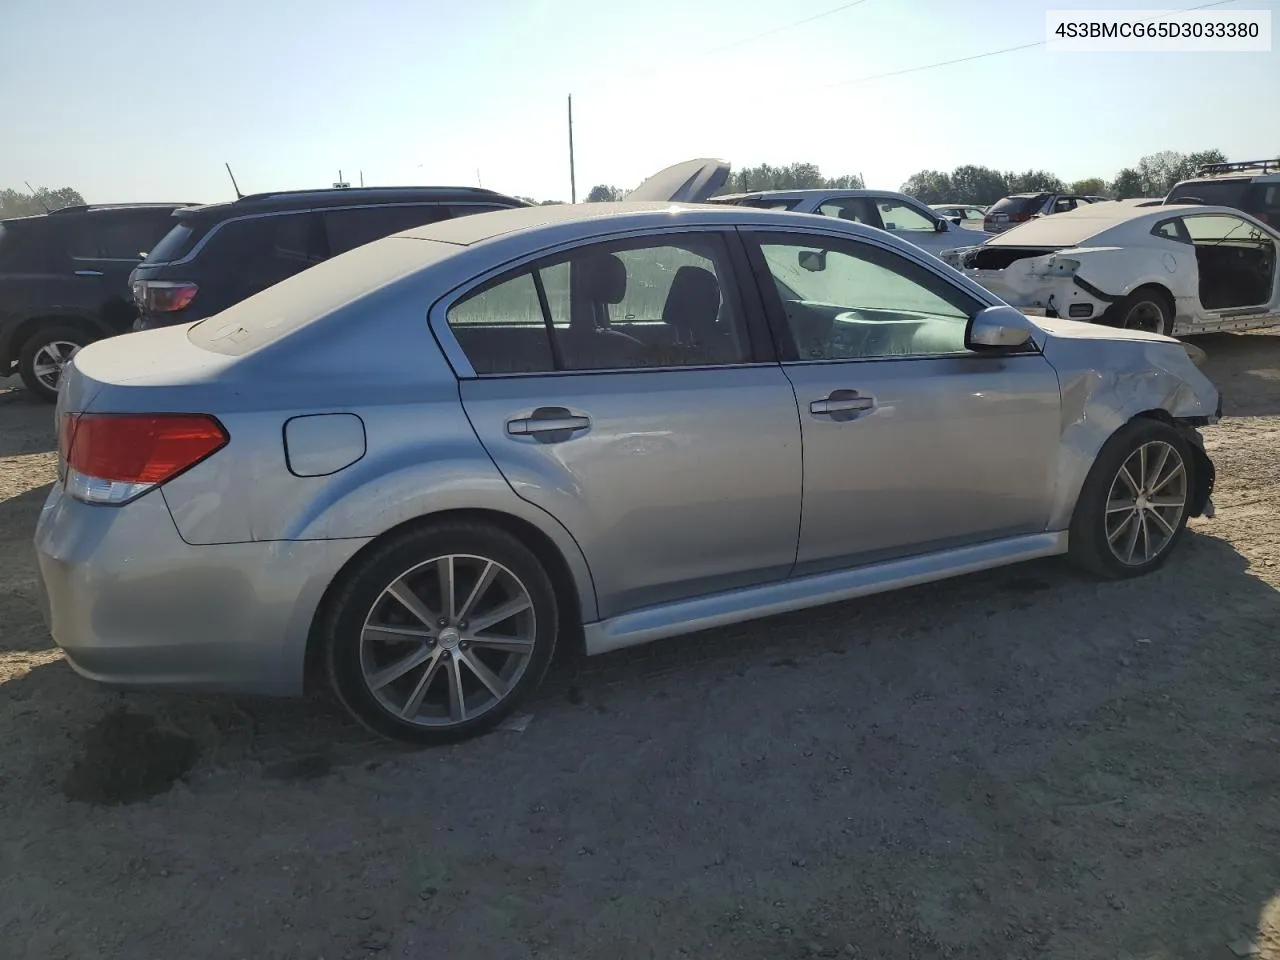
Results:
[793, 176]
[15, 203]
[1153, 176]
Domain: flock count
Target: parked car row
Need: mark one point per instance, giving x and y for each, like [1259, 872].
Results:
[84, 273]
[1178, 267]
[80, 274]
[419, 467]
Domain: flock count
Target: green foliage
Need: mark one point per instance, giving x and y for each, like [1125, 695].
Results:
[15, 203]
[603, 193]
[1153, 176]
[1089, 187]
[795, 176]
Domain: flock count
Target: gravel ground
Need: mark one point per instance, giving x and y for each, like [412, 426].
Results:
[1023, 763]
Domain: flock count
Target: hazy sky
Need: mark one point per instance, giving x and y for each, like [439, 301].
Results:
[144, 100]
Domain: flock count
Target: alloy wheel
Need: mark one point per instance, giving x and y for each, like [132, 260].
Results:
[447, 640]
[50, 359]
[1145, 315]
[1145, 504]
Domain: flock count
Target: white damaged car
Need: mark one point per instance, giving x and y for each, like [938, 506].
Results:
[1172, 269]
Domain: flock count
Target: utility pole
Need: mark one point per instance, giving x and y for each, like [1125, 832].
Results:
[573, 183]
[361, 178]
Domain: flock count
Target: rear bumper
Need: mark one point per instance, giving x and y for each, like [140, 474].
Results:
[1056, 295]
[131, 604]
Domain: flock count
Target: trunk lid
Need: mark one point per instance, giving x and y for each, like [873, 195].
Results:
[156, 370]
[690, 181]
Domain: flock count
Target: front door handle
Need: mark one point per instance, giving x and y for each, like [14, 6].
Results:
[842, 405]
[548, 424]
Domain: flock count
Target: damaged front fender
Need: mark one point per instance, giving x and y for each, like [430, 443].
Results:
[1107, 377]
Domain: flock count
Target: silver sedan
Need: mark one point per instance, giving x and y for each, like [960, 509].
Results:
[420, 466]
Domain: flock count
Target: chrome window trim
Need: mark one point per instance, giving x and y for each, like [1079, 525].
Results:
[438, 313]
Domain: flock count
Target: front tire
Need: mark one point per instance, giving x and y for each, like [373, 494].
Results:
[45, 353]
[1134, 504]
[440, 632]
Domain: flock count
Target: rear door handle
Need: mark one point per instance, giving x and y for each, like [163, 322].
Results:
[548, 424]
[842, 405]
[88, 273]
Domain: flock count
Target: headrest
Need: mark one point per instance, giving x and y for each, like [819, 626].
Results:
[693, 301]
[604, 278]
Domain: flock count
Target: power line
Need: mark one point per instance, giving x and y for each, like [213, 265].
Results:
[773, 31]
[980, 56]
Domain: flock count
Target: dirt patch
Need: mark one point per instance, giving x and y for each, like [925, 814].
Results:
[1020, 764]
[126, 758]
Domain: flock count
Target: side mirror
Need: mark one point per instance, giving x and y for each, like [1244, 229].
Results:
[815, 261]
[1000, 328]
[941, 225]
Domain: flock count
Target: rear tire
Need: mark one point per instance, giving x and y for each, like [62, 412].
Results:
[440, 632]
[45, 353]
[1134, 504]
[1147, 308]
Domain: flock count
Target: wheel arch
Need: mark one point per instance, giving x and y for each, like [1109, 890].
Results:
[23, 331]
[569, 594]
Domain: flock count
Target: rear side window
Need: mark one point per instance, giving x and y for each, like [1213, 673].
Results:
[502, 329]
[25, 248]
[1263, 201]
[655, 303]
[1017, 204]
[117, 236]
[1222, 193]
[174, 244]
[356, 226]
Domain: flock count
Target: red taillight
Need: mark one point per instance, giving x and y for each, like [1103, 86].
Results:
[113, 458]
[164, 296]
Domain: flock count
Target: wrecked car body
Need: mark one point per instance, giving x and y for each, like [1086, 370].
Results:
[1176, 270]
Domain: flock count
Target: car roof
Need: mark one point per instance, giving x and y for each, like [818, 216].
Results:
[1075, 226]
[92, 208]
[285, 200]
[465, 231]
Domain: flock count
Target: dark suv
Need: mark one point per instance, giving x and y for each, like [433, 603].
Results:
[1250, 185]
[1020, 207]
[64, 282]
[217, 255]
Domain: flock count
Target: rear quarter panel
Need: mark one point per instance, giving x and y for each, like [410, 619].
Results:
[377, 359]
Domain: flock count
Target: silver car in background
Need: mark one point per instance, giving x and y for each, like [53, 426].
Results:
[421, 465]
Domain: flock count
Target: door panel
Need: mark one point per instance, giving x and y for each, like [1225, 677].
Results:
[623, 386]
[934, 452]
[912, 443]
[683, 482]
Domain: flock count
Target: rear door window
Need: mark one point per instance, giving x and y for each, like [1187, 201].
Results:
[27, 248]
[355, 226]
[117, 236]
